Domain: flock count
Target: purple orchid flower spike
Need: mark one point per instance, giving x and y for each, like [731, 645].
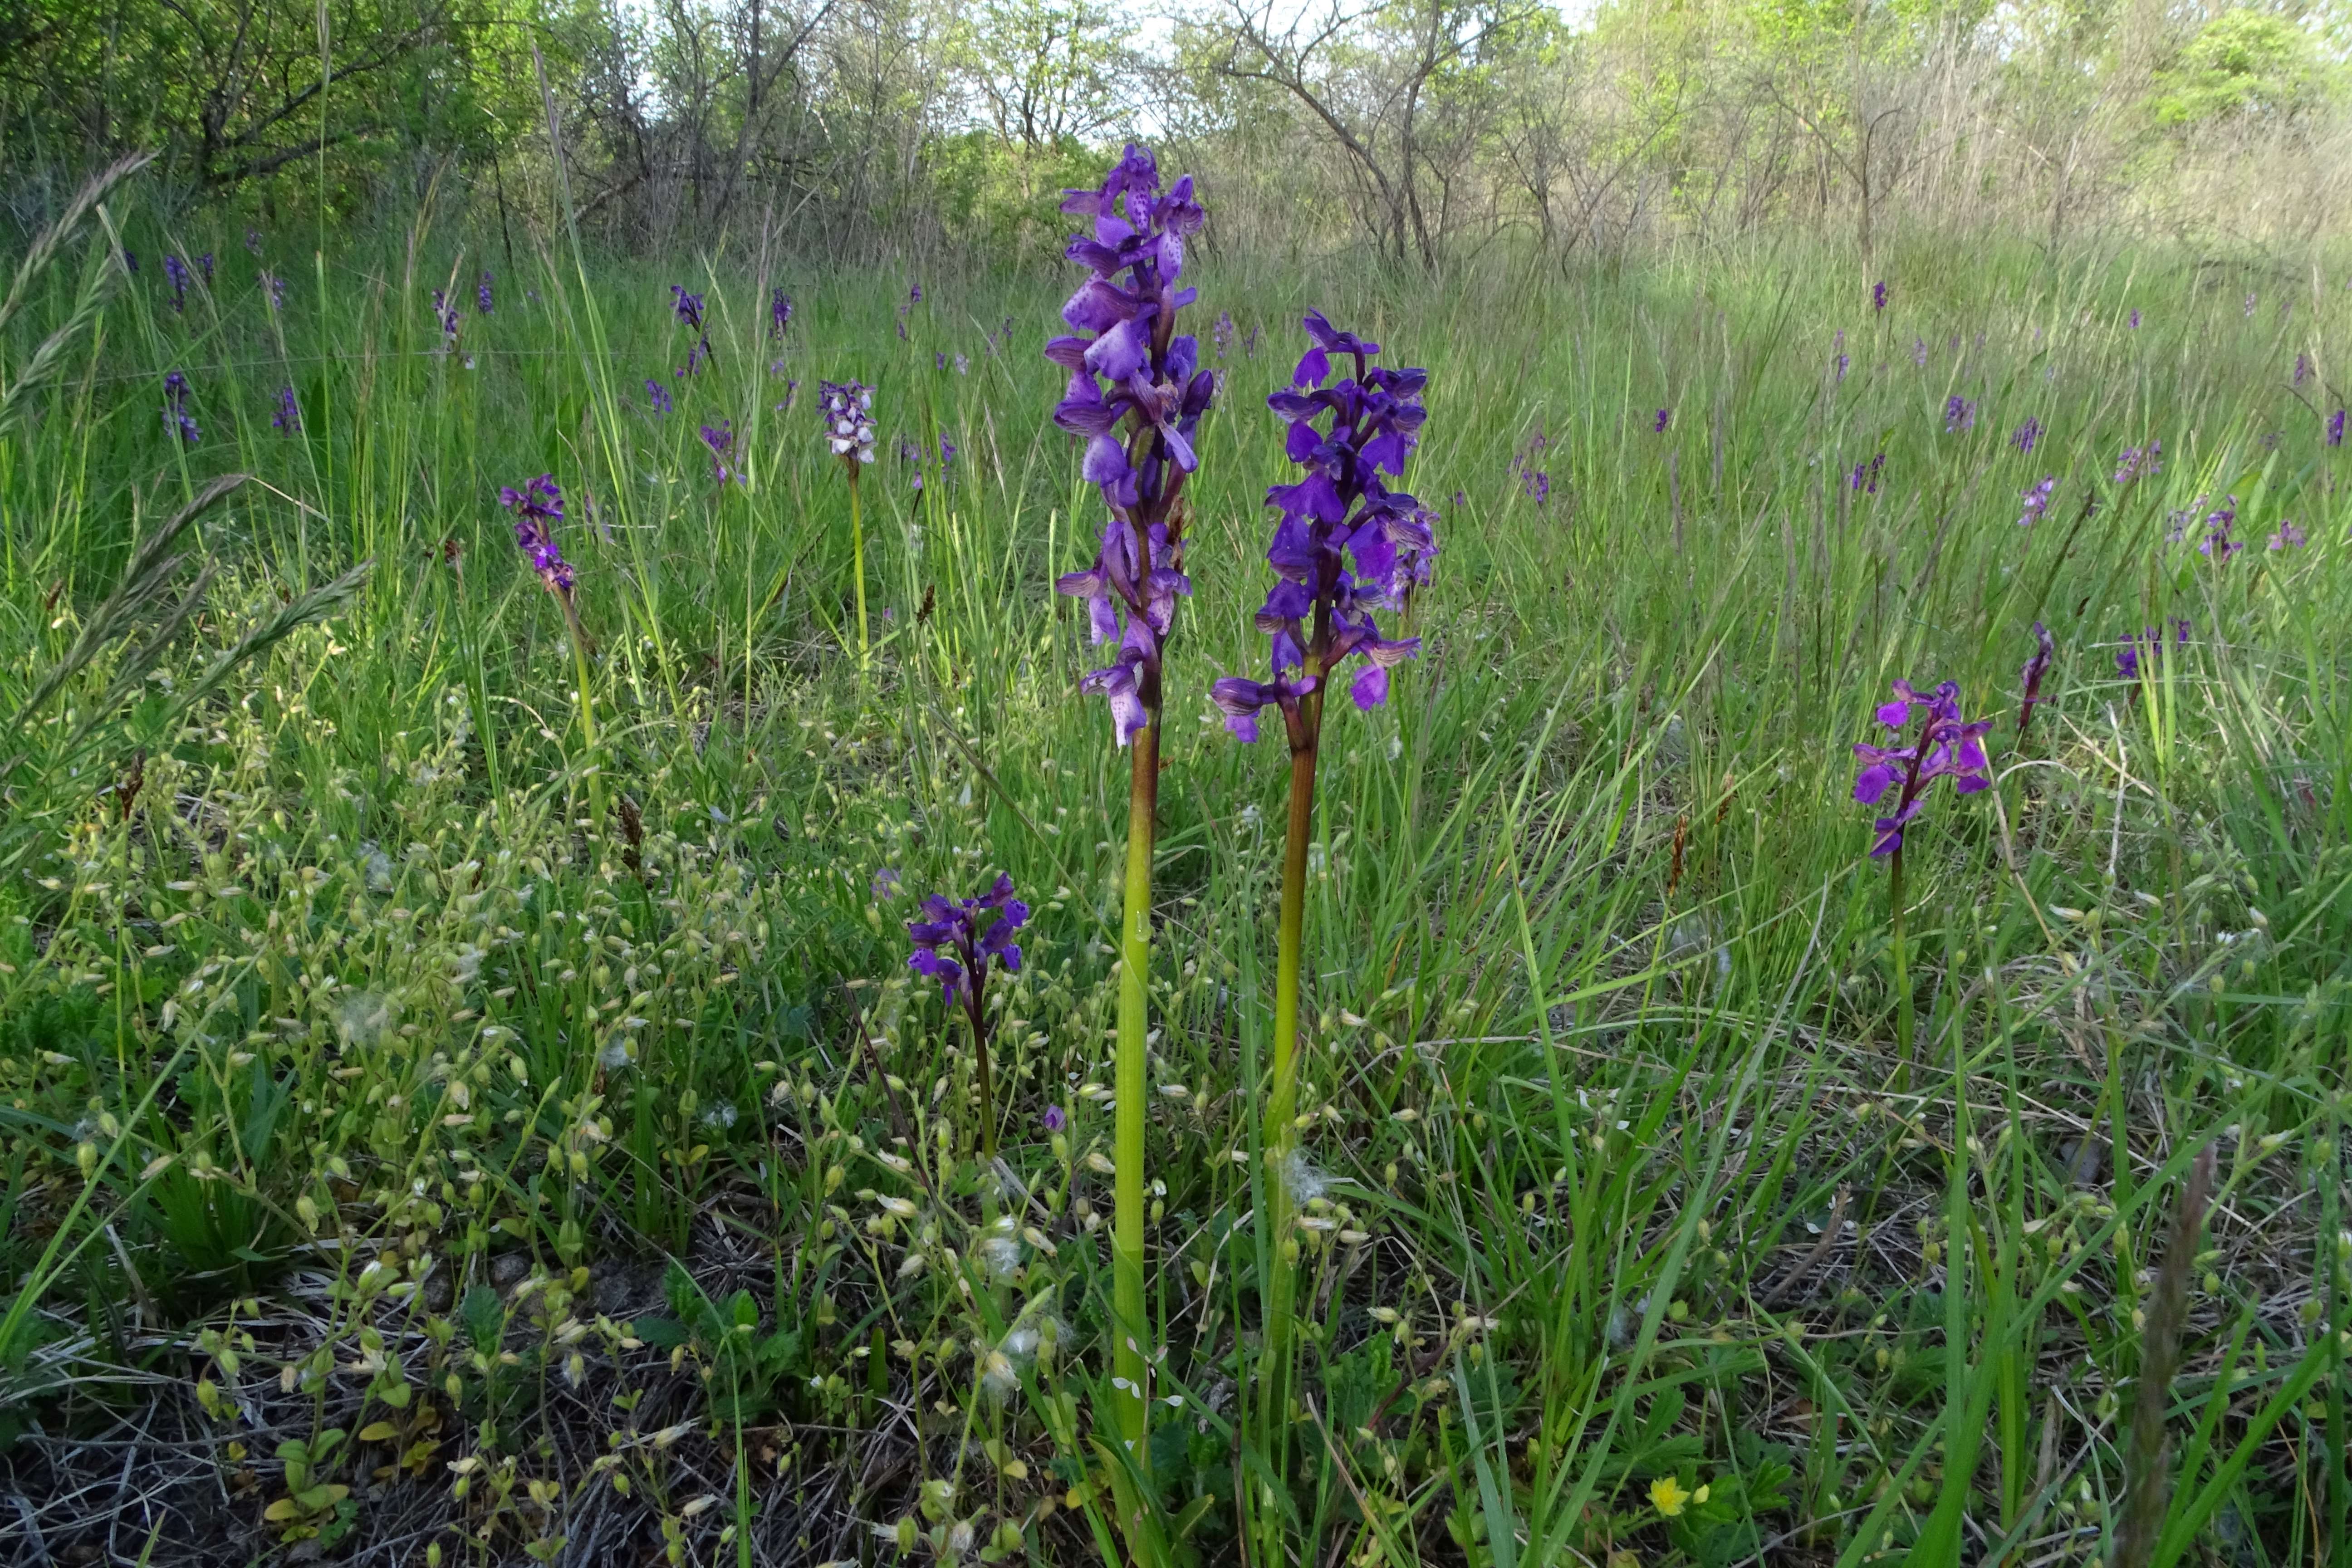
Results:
[2026, 437]
[484, 301]
[2037, 500]
[720, 439]
[780, 313]
[1345, 544]
[1877, 297]
[538, 507]
[2036, 670]
[848, 410]
[176, 417]
[1135, 393]
[287, 420]
[955, 944]
[1948, 746]
[2335, 428]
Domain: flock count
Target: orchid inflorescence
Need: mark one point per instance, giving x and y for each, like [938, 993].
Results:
[288, 417]
[175, 273]
[720, 439]
[483, 300]
[848, 410]
[2145, 649]
[2037, 500]
[780, 313]
[1340, 516]
[1949, 747]
[955, 944]
[2027, 436]
[176, 417]
[538, 507]
[1135, 393]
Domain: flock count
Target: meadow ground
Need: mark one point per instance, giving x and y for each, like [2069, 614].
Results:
[447, 1125]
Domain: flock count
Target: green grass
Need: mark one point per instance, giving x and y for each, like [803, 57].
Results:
[436, 1154]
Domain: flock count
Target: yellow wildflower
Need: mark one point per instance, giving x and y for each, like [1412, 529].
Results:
[1666, 1495]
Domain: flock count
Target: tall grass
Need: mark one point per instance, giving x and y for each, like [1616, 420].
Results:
[435, 1160]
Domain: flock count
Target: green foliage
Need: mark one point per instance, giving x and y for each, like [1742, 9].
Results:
[2245, 63]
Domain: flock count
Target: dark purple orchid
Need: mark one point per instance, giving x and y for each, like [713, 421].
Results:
[2028, 436]
[2037, 500]
[288, 417]
[2335, 428]
[446, 315]
[956, 943]
[1960, 414]
[2031, 677]
[2302, 368]
[2145, 650]
[130, 261]
[1948, 746]
[657, 396]
[2138, 463]
[2218, 545]
[1346, 544]
[720, 439]
[1135, 393]
[276, 286]
[538, 507]
[1878, 297]
[205, 264]
[688, 307]
[2135, 319]
[1222, 334]
[253, 241]
[176, 417]
[483, 299]
[1054, 1118]
[780, 313]
[2289, 536]
[1658, 426]
[848, 410]
[175, 271]
[1865, 478]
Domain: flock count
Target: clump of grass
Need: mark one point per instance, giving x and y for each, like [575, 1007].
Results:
[422, 1155]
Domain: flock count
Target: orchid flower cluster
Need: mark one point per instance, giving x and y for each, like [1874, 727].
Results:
[1135, 393]
[780, 313]
[2145, 649]
[1347, 544]
[538, 507]
[175, 273]
[2037, 500]
[689, 310]
[848, 410]
[176, 417]
[2139, 463]
[287, 420]
[483, 299]
[1960, 414]
[720, 439]
[955, 943]
[2335, 428]
[445, 316]
[1865, 478]
[2026, 437]
[1948, 746]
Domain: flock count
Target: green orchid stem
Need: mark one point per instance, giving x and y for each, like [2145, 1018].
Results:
[1130, 1329]
[987, 1093]
[858, 561]
[1282, 1105]
[587, 713]
[1902, 974]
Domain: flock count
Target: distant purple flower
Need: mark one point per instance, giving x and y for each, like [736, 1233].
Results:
[938, 359]
[1865, 477]
[780, 313]
[130, 260]
[176, 417]
[2031, 677]
[2289, 537]
[1249, 345]
[914, 294]
[446, 315]
[2335, 428]
[848, 410]
[1948, 746]
[2147, 649]
[1919, 353]
[1346, 545]
[947, 453]
[1222, 334]
[687, 307]
[720, 439]
[2217, 546]
[955, 942]
[963, 364]
[1136, 395]
[2135, 319]
[2028, 436]
[2139, 462]
[175, 273]
[2250, 305]
[885, 885]
[288, 417]
[1878, 297]
[2037, 500]
[658, 395]
[483, 301]
[253, 241]
[1960, 414]
[276, 286]
[791, 396]
[1055, 1119]
[1658, 426]
[2302, 368]
[538, 507]
[205, 264]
